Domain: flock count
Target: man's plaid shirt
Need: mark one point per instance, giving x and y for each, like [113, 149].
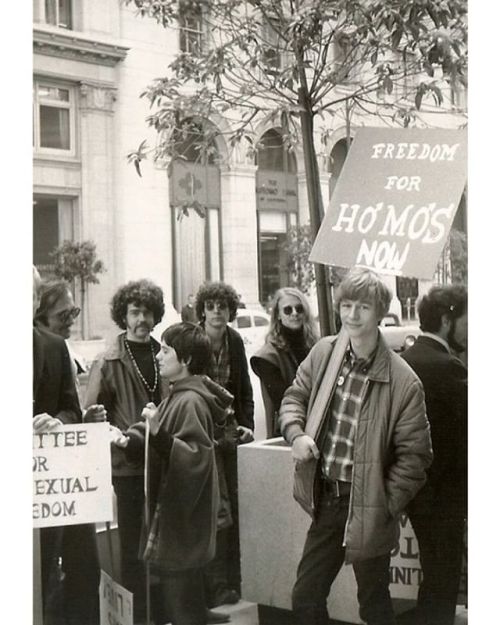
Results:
[220, 366]
[338, 447]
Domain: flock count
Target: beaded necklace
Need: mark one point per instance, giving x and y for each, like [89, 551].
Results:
[150, 390]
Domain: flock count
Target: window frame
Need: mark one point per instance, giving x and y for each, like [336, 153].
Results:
[189, 34]
[70, 106]
[56, 10]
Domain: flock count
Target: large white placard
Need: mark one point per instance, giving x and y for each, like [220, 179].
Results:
[72, 475]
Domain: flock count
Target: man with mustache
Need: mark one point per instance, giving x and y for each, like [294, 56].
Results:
[124, 379]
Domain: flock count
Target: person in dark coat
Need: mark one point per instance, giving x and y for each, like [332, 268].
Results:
[291, 335]
[438, 512]
[180, 533]
[216, 305]
[69, 560]
[188, 312]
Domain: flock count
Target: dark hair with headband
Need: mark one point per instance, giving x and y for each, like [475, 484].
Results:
[441, 300]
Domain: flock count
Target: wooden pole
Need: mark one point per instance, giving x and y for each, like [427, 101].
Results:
[316, 211]
[37, 579]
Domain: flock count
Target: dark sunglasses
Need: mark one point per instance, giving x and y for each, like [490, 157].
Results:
[210, 305]
[299, 309]
[66, 315]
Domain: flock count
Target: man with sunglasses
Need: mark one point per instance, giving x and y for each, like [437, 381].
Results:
[57, 314]
[362, 461]
[216, 306]
[69, 551]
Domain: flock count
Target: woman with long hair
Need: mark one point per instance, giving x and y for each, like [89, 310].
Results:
[291, 335]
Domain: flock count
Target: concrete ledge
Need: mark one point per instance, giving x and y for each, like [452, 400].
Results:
[242, 613]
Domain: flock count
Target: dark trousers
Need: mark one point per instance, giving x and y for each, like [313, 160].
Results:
[183, 596]
[129, 492]
[70, 575]
[440, 536]
[321, 561]
[224, 571]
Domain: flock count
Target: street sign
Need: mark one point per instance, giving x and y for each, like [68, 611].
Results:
[395, 201]
[72, 475]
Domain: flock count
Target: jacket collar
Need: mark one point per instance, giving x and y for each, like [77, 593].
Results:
[380, 369]
[117, 350]
[429, 340]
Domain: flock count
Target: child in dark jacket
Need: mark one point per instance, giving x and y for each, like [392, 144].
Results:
[184, 492]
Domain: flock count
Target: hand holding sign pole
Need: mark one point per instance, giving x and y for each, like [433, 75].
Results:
[395, 201]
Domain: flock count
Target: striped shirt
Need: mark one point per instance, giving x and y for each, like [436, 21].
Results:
[338, 447]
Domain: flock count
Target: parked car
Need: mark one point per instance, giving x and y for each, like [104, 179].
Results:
[397, 335]
[253, 326]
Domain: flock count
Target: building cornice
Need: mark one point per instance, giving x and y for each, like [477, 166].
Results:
[73, 46]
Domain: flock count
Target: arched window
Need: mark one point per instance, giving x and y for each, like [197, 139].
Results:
[273, 155]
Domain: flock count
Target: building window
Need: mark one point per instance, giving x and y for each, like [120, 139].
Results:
[191, 28]
[52, 224]
[53, 118]
[59, 13]
[345, 57]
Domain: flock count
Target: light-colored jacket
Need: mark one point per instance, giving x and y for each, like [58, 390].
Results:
[392, 447]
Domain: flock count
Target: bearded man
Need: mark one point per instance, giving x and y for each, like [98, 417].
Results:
[124, 379]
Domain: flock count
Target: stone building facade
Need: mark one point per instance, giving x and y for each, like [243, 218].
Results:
[92, 59]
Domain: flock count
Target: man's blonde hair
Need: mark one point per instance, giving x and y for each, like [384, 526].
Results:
[364, 285]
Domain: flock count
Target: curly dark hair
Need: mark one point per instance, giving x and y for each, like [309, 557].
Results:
[141, 293]
[217, 291]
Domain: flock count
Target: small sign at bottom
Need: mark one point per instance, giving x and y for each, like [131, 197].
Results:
[116, 602]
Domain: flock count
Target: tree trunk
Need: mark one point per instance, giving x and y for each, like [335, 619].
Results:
[82, 301]
[316, 213]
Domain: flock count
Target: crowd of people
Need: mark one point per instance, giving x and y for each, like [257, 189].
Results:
[372, 434]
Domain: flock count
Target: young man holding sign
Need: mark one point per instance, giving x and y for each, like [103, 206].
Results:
[355, 417]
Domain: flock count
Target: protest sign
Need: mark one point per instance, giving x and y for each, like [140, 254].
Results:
[405, 569]
[395, 200]
[72, 475]
[116, 603]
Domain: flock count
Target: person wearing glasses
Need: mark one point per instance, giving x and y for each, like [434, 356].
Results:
[67, 552]
[291, 335]
[216, 305]
[57, 313]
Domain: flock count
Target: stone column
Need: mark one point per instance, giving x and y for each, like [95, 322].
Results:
[97, 209]
[303, 199]
[239, 231]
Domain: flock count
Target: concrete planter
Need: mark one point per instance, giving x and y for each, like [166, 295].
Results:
[272, 534]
